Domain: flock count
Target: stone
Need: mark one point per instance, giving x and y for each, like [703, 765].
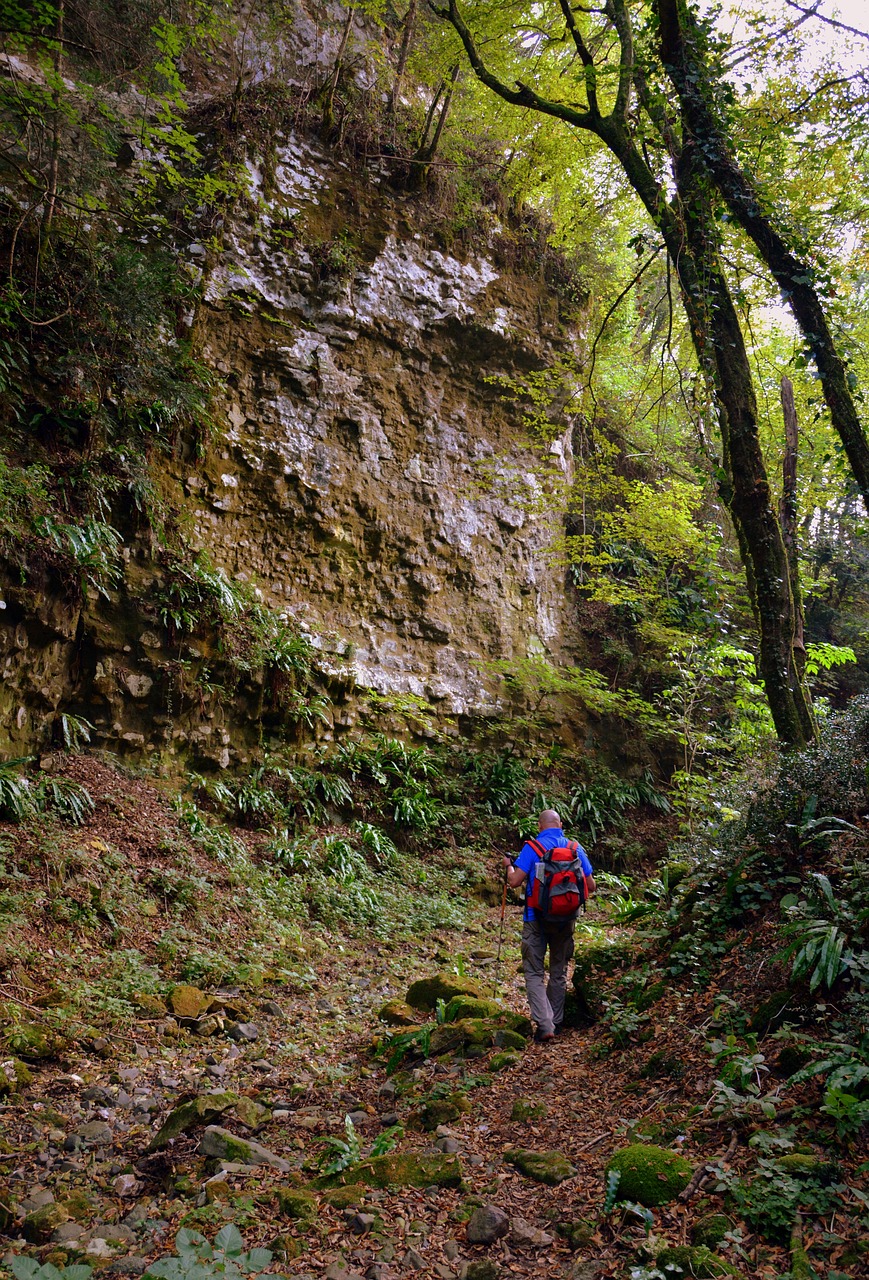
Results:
[524, 1236]
[67, 1231]
[300, 1205]
[451, 1249]
[426, 992]
[507, 1039]
[587, 1269]
[242, 1032]
[415, 1260]
[487, 1224]
[188, 1115]
[650, 1175]
[681, 1261]
[95, 1132]
[40, 1224]
[188, 1002]
[132, 1265]
[359, 1223]
[220, 1144]
[448, 1145]
[549, 1167]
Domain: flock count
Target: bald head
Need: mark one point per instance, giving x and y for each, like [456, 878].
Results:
[548, 818]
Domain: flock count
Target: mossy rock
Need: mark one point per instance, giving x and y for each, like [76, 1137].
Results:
[472, 1007]
[34, 1042]
[188, 1115]
[425, 993]
[80, 1206]
[482, 1269]
[549, 1167]
[450, 1036]
[439, 1111]
[799, 1165]
[792, 1059]
[655, 1131]
[402, 1169]
[645, 998]
[505, 1059]
[693, 1260]
[676, 873]
[711, 1229]
[347, 1197]
[772, 1013]
[396, 1013]
[14, 1076]
[40, 1225]
[188, 1002]
[662, 1066]
[577, 1231]
[151, 1005]
[302, 1206]
[510, 1040]
[524, 1110]
[593, 964]
[650, 1175]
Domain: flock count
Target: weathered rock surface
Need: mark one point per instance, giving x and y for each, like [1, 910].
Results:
[487, 1224]
[223, 1145]
[550, 1167]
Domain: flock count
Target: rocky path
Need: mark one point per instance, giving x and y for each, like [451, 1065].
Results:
[88, 1174]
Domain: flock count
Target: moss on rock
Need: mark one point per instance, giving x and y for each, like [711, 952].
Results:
[198, 1111]
[425, 993]
[302, 1206]
[549, 1167]
[396, 1013]
[461, 1007]
[687, 1260]
[510, 1040]
[34, 1042]
[402, 1169]
[800, 1165]
[506, 1058]
[188, 1002]
[593, 964]
[711, 1229]
[650, 1175]
[40, 1225]
[523, 1110]
[347, 1197]
[439, 1111]
[14, 1075]
[771, 1013]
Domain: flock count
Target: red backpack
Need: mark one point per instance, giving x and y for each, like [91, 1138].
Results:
[558, 889]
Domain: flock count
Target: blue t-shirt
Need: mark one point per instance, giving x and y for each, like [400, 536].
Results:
[528, 858]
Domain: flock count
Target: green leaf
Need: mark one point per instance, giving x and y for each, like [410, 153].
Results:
[229, 1240]
[259, 1258]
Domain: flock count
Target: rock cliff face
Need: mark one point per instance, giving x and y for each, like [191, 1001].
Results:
[355, 420]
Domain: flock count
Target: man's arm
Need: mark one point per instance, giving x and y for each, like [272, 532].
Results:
[515, 876]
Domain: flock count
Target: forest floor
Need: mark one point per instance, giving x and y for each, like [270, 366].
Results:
[300, 1039]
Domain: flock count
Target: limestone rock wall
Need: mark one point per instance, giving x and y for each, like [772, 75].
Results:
[353, 351]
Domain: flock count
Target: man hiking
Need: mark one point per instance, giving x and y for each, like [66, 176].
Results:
[558, 878]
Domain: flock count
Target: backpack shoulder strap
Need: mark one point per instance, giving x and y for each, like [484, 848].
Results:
[537, 847]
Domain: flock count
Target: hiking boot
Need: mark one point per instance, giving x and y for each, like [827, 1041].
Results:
[543, 1037]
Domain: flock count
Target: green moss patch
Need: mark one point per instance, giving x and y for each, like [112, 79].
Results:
[649, 1174]
[425, 993]
[302, 1206]
[471, 1007]
[711, 1229]
[402, 1169]
[688, 1260]
[549, 1167]
[199, 1111]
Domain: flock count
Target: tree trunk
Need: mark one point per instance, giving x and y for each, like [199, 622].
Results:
[54, 160]
[686, 66]
[404, 51]
[788, 514]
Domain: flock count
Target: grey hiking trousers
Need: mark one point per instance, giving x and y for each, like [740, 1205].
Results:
[546, 999]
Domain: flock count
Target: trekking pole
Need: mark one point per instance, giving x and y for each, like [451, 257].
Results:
[500, 936]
